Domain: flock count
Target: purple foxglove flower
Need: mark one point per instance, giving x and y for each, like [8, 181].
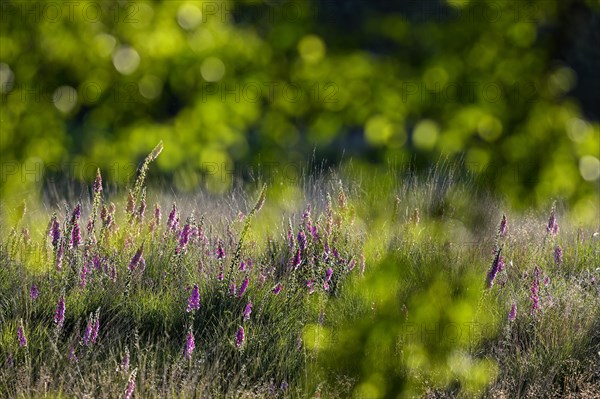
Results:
[491, 276]
[297, 259]
[130, 203]
[552, 227]
[59, 257]
[173, 221]
[351, 265]
[90, 225]
[59, 313]
[501, 264]
[184, 237]
[512, 315]
[88, 331]
[75, 235]
[220, 276]
[190, 345]
[336, 254]
[97, 262]
[242, 266]
[240, 337]
[328, 274]
[306, 213]
[113, 273]
[136, 259]
[302, 240]
[84, 271]
[503, 229]
[21, 335]
[247, 311]
[310, 286]
[232, 289]
[98, 182]
[104, 215]
[308, 223]
[95, 329]
[243, 287]
[194, 300]
[326, 286]
[124, 365]
[55, 231]
[130, 385]
[142, 209]
[220, 252]
[76, 213]
[157, 215]
[546, 281]
[277, 289]
[558, 255]
[33, 292]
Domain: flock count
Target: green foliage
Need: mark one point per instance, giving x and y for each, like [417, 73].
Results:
[227, 84]
[411, 325]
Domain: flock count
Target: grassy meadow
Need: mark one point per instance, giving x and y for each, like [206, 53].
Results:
[343, 285]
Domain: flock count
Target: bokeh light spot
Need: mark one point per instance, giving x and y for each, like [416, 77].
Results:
[589, 167]
[378, 130]
[189, 16]
[489, 128]
[577, 129]
[64, 99]
[105, 44]
[425, 135]
[126, 60]
[311, 49]
[150, 87]
[212, 69]
[7, 78]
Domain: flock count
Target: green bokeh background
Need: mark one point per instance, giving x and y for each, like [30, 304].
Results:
[505, 89]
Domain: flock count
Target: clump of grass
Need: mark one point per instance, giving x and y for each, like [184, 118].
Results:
[357, 291]
[126, 293]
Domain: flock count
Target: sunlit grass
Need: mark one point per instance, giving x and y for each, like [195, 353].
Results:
[385, 294]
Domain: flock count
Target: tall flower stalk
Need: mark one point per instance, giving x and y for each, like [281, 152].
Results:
[497, 265]
[194, 300]
[59, 312]
[190, 345]
[139, 183]
[130, 385]
[257, 207]
[21, 334]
